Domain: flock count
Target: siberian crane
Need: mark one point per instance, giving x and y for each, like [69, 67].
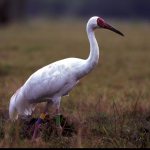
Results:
[57, 79]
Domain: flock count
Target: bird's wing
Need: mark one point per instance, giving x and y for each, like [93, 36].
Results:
[47, 81]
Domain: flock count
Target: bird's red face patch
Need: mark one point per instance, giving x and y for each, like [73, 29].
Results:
[100, 22]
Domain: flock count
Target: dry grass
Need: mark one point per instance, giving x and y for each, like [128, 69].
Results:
[110, 105]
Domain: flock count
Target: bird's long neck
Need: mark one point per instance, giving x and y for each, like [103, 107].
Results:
[93, 57]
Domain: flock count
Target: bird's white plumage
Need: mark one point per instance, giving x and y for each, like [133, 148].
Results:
[54, 80]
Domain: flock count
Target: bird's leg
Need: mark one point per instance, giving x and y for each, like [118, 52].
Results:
[37, 125]
[40, 120]
[58, 122]
[57, 116]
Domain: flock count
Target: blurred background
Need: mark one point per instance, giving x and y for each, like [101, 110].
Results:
[20, 10]
[34, 33]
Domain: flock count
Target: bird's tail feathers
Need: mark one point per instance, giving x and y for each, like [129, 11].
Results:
[19, 106]
[13, 115]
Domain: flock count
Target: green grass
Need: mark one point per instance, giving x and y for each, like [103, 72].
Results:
[110, 105]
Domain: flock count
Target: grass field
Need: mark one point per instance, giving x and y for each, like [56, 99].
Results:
[110, 106]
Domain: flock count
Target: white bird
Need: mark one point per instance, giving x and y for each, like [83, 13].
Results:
[57, 79]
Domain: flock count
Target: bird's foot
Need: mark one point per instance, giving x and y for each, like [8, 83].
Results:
[59, 130]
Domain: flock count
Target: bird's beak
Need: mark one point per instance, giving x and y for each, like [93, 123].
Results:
[109, 27]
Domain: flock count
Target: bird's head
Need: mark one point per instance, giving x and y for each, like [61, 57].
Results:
[98, 22]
